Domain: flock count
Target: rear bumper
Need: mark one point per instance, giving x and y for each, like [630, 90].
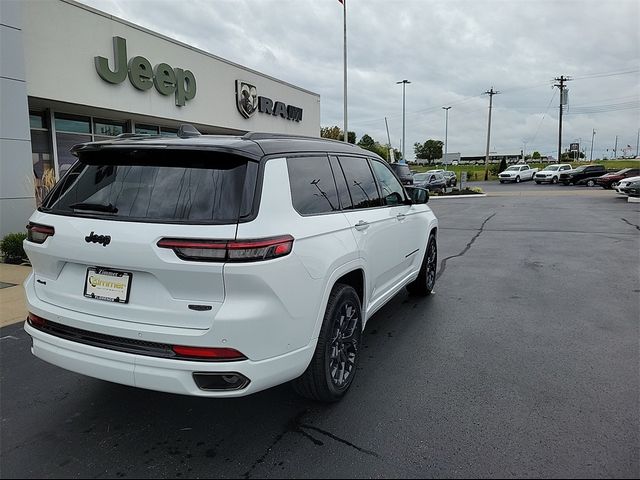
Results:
[165, 375]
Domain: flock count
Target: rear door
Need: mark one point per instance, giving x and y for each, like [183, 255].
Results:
[109, 214]
[378, 227]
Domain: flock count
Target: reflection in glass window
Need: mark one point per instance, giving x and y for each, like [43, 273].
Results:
[362, 186]
[147, 130]
[72, 124]
[107, 129]
[36, 120]
[312, 187]
[168, 132]
[392, 192]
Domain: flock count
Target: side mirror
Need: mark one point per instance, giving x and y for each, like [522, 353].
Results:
[418, 195]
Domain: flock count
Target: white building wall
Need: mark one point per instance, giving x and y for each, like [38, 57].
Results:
[17, 200]
[62, 38]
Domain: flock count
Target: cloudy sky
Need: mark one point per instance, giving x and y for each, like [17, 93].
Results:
[451, 51]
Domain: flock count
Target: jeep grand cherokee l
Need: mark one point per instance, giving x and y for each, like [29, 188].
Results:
[220, 266]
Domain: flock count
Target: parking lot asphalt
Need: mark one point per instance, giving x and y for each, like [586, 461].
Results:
[524, 363]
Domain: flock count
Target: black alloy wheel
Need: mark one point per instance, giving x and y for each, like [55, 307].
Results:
[554, 180]
[343, 347]
[423, 285]
[335, 359]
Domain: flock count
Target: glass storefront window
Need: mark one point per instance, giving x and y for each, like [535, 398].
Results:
[72, 124]
[36, 120]
[106, 128]
[168, 132]
[147, 130]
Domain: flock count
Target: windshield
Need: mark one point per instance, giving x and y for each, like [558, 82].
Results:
[158, 186]
[513, 169]
[580, 169]
[550, 168]
[420, 177]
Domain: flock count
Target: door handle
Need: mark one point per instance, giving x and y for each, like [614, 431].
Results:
[362, 225]
[401, 217]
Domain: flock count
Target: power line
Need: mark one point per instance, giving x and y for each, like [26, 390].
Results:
[543, 116]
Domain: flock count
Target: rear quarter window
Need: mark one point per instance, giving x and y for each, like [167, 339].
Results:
[313, 190]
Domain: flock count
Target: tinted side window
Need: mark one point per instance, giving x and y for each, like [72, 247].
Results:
[360, 181]
[392, 192]
[341, 183]
[312, 187]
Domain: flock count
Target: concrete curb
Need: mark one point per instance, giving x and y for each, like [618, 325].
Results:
[458, 197]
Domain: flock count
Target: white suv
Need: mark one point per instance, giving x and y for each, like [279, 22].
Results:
[221, 266]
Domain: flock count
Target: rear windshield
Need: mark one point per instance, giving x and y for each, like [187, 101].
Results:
[174, 186]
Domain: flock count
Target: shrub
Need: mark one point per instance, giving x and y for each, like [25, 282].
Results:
[11, 247]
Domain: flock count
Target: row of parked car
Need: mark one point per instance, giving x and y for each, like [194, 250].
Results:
[625, 181]
[432, 180]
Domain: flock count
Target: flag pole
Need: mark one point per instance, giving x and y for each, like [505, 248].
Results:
[344, 9]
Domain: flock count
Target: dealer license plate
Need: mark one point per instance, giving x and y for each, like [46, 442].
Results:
[107, 285]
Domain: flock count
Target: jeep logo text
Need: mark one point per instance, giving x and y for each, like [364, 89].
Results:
[166, 79]
[102, 239]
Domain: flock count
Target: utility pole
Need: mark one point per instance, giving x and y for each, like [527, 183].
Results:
[563, 101]
[491, 93]
[593, 134]
[404, 154]
[638, 142]
[446, 134]
[615, 149]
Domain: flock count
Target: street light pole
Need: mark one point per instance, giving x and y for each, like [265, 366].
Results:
[593, 134]
[446, 134]
[404, 154]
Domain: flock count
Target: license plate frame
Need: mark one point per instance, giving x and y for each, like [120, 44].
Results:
[106, 292]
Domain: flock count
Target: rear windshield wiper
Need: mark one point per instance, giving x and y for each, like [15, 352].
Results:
[96, 207]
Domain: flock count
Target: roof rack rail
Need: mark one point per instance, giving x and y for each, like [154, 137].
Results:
[131, 135]
[269, 136]
[187, 130]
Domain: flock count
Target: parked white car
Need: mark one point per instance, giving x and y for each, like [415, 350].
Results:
[623, 183]
[551, 173]
[220, 266]
[517, 173]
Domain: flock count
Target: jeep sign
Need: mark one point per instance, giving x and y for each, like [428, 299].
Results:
[142, 76]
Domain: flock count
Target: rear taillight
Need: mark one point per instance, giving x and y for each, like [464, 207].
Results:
[208, 353]
[39, 233]
[35, 320]
[229, 250]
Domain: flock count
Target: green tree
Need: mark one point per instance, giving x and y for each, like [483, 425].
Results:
[536, 155]
[430, 150]
[367, 142]
[336, 134]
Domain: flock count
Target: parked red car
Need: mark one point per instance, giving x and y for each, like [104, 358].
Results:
[607, 180]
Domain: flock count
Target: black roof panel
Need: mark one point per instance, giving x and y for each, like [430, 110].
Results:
[253, 144]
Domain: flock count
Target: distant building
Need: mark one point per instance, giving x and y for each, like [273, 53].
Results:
[480, 159]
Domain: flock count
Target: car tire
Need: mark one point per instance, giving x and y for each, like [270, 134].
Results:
[590, 183]
[538, 182]
[501, 181]
[337, 349]
[518, 179]
[423, 285]
[554, 180]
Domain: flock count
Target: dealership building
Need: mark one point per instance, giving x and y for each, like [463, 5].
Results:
[71, 74]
